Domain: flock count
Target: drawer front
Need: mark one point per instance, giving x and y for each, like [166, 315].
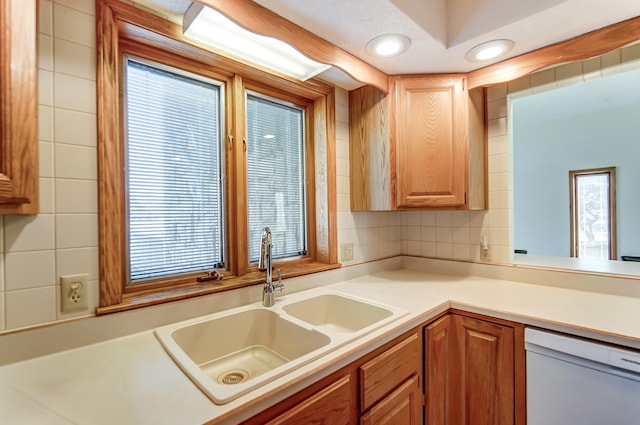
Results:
[381, 375]
[330, 406]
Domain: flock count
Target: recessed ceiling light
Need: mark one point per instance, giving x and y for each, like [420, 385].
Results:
[489, 50]
[388, 45]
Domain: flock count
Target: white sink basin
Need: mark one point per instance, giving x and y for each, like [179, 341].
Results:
[230, 353]
[337, 313]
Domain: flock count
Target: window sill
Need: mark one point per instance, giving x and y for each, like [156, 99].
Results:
[175, 293]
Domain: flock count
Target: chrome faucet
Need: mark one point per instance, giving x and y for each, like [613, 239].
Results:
[264, 263]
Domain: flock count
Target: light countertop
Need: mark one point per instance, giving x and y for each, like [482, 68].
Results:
[132, 380]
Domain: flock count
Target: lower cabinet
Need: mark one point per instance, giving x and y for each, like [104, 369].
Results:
[474, 371]
[383, 387]
[469, 368]
[330, 406]
[402, 407]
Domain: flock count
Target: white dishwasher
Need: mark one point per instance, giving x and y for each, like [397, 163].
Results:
[573, 381]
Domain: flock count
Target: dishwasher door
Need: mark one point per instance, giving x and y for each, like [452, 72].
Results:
[572, 381]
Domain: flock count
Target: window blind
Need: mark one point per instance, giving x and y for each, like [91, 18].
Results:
[175, 219]
[276, 176]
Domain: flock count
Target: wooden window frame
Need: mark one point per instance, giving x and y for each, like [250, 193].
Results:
[124, 29]
[573, 174]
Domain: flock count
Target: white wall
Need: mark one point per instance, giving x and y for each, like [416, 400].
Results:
[544, 153]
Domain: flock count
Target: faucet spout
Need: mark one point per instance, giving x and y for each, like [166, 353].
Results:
[264, 264]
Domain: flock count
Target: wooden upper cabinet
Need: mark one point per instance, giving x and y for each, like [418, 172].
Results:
[431, 142]
[18, 108]
[422, 146]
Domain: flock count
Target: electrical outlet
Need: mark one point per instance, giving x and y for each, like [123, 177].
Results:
[346, 251]
[484, 253]
[74, 292]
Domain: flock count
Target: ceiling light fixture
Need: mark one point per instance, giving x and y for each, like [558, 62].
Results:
[489, 50]
[210, 27]
[388, 45]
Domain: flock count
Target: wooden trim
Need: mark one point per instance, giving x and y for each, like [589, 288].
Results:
[585, 46]
[332, 196]
[520, 375]
[260, 20]
[111, 205]
[574, 226]
[18, 108]
[192, 289]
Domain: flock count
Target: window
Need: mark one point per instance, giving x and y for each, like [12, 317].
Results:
[197, 153]
[276, 176]
[175, 219]
[593, 221]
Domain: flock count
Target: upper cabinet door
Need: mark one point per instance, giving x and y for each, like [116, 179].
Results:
[431, 141]
[18, 108]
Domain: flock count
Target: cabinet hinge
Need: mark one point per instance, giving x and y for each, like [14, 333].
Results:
[465, 198]
[424, 399]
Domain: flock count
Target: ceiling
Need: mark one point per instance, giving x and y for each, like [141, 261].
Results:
[442, 31]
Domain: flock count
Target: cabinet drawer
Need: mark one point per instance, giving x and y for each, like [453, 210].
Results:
[330, 406]
[381, 375]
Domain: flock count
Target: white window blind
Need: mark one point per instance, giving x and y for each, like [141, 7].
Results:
[175, 212]
[276, 176]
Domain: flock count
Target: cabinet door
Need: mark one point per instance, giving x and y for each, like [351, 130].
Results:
[401, 407]
[18, 108]
[431, 141]
[482, 380]
[330, 406]
[437, 364]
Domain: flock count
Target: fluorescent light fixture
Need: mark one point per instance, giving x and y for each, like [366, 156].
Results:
[211, 27]
[388, 45]
[489, 50]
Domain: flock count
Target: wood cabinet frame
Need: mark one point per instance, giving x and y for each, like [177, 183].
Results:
[18, 107]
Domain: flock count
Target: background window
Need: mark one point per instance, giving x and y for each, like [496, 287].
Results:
[175, 213]
[276, 176]
[593, 218]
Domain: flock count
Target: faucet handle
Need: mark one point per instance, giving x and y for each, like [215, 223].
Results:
[278, 286]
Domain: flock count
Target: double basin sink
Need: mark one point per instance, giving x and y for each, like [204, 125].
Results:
[230, 353]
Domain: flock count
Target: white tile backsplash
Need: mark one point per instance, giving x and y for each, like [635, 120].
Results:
[47, 194]
[75, 128]
[77, 261]
[45, 87]
[76, 230]
[29, 307]
[29, 233]
[30, 269]
[45, 52]
[80, 5]
[45, 17]
[76, 196]
[76, 162]
[75, 93]
[75, 59]
[73, 25]
[45, 123]
[37, 249]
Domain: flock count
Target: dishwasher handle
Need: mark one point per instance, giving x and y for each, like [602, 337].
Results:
[624, 360]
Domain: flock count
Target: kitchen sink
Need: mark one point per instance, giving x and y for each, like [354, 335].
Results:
[337, 313]
[232, 354]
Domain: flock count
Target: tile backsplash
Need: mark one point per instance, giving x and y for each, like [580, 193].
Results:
[63, 239]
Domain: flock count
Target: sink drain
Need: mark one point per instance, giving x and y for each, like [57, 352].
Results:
[231, 377]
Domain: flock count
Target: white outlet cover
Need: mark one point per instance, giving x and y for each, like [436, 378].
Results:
[74, 292]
